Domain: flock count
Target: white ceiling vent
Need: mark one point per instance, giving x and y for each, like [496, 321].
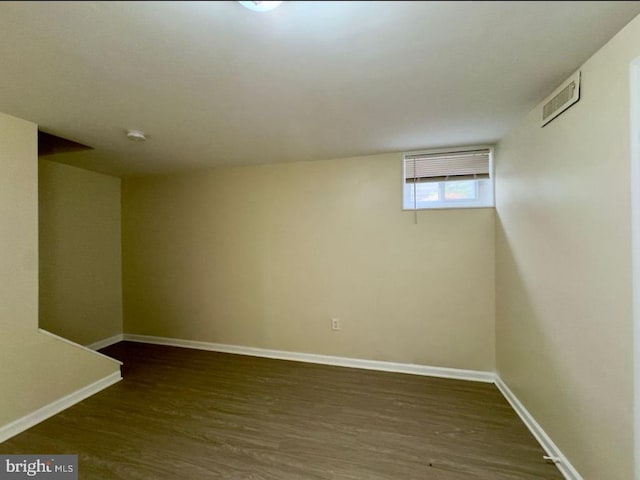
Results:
[562, 98]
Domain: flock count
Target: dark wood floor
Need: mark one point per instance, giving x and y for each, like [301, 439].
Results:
[188, 414]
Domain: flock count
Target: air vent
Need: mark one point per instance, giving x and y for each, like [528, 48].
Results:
[561, 99]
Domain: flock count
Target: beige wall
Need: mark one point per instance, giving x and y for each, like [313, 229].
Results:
[35, 369]
[563, 271]
[80, 254]
[264, 256]
[19, 224]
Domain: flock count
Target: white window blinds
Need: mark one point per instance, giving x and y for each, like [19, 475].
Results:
[446, 166]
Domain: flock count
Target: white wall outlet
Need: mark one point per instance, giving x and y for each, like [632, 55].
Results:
[335, 324]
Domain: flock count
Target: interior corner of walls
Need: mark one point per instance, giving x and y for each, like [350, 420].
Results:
[548, 226]
[80, 252]
[563, 464]
[106, 342]
[37, 369]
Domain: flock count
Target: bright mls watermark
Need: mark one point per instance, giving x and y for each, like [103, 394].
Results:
[50, 467]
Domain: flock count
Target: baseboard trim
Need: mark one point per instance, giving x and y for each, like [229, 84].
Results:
[18, 426]
[562, 463]
[106, 342]
[33, 418]
[454, 373]
[551, 449]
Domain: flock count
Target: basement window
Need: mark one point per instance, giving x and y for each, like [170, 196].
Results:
[447, 178]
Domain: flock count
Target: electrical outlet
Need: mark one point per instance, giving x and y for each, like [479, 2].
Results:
[335, 324]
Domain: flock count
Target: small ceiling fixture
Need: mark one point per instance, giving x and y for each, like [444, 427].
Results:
[260, 6]
[136, 135]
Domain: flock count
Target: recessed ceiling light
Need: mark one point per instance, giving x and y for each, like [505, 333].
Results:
[260, 6]
[136, 135]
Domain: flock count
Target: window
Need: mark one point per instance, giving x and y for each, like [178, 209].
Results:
[448, 178]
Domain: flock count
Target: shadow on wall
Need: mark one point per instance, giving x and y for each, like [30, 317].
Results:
[532, 357]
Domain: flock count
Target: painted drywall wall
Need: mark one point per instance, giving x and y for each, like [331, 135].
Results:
[80, 253]
[264, 256]
[19, 216]
[35, 369]
[563, 267]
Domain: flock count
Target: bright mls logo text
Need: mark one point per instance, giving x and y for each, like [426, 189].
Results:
[52, 467]
[33, 468]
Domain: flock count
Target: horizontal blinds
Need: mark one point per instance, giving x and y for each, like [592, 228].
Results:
[438, 167]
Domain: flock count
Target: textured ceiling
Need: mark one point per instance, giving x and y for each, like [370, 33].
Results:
[213, 83]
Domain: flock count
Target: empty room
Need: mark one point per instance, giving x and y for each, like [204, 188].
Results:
[320, 240]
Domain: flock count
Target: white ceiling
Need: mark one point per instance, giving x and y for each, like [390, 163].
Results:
[213, 83]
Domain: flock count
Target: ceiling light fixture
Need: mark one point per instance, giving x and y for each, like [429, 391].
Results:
[260, 6]
[136, 135]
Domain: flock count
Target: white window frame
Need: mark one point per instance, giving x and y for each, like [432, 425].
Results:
[458, 203]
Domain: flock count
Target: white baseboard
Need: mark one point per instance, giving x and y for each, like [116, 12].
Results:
[562, 463]
[33, 418]
[106, 342]
[551, 449]
[458, 374]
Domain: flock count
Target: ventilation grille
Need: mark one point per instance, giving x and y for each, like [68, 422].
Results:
[560, 100]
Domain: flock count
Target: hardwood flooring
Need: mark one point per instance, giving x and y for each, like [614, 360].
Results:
[189, 414]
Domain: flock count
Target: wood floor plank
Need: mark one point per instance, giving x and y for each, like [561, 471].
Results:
[190, 414]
